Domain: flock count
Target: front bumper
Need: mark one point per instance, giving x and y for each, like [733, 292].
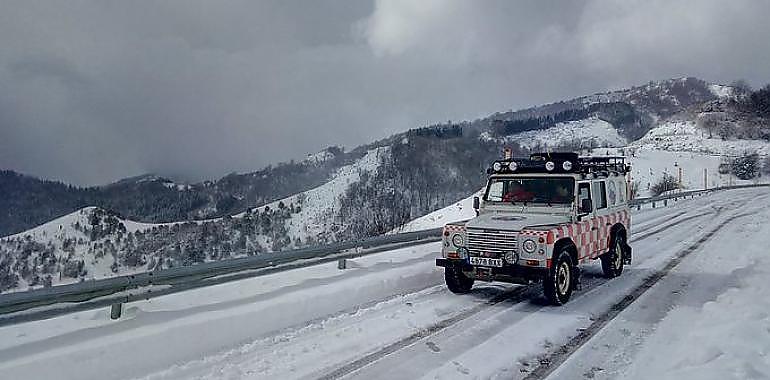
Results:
[517, 274]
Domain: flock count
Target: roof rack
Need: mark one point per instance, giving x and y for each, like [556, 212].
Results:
[592, 164]
[561, 162]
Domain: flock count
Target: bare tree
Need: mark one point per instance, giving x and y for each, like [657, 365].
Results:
[710, 122]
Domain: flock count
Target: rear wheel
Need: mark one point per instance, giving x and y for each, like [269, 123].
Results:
[612, 261]
[559, 282]
[457, 281]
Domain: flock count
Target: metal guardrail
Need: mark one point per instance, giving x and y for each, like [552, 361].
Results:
[44, 303]
[692, 193]
[63, 299]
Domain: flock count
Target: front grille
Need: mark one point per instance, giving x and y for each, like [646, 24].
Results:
[493, 243]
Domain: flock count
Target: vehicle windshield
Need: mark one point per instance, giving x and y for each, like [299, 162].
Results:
[531, 190]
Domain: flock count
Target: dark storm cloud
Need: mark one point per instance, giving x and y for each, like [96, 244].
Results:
[91, 91]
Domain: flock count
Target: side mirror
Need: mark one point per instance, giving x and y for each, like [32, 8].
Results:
[586, 206]
[476, 203]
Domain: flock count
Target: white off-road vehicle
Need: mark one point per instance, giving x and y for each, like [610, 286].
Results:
[539, 219]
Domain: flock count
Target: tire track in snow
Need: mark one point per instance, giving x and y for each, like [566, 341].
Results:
[664, 227]
[516, 295]
[552, 361]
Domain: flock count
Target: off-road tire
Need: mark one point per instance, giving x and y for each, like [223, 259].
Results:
[457, 281]
[560, 280]
[613, 260]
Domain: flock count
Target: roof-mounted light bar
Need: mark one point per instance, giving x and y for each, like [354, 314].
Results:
[559, 163]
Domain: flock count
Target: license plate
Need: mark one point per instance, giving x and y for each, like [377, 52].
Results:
[486, 262]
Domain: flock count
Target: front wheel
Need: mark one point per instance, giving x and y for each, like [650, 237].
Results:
[612, 261]
[457, 281]
[560, 279]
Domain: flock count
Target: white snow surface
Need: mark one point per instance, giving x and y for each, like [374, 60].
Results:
[588, 132]
[722, 91]
[685, 136]
[707, 319]
[306, 322]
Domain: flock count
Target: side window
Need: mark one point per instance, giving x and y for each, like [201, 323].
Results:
[612, 193]
[495, 192]
[600, 195]
[584, 192]
[621, 192]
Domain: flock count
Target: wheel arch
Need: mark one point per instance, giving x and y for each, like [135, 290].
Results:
[567, 243]
[618, 228]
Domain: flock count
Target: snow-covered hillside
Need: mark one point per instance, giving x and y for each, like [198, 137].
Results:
[68, 248]
[93, 243]
[462, 210]
[686, 136]
[591, 132]
[318, 205]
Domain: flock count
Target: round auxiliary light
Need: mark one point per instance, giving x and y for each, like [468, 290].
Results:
[566, 165]
[550, 166]
[512, 166]
[496, 166]
[511, 257]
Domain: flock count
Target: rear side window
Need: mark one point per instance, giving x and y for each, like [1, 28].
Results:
[613, 195]
[600, 195]
[621, 192]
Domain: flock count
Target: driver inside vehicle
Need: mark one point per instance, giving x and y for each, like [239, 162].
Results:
[561, 195]
[517, 193]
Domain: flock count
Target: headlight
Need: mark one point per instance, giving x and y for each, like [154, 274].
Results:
[457, 240]
[512, 166]
[566, 165]
[529, 246]
[496, 166]
[511, 257]
[550, 166]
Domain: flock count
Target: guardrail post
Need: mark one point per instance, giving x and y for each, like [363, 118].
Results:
[116, 310]
[665, 202]
[342, 263]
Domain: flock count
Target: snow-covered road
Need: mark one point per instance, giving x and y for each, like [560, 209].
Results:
[389, 315]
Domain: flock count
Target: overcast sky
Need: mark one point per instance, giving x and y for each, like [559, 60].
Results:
[94, 91]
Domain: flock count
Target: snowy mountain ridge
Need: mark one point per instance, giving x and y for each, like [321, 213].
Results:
[94, 243]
